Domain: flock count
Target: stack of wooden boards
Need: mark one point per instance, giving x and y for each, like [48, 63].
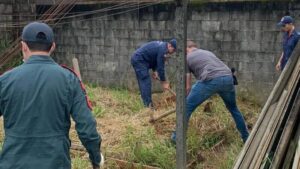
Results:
[274, 140]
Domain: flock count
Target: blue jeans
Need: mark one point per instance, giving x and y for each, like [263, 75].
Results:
[144, 80]
[223, 86]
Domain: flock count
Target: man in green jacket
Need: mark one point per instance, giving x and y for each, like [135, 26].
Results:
[37, 100]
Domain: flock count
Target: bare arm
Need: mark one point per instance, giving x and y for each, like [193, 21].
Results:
[279, 62]
[188, 83]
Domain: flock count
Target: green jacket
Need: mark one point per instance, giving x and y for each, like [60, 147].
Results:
[37, 100]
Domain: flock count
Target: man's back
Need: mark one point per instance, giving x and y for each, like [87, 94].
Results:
[33, 95]
[150, 51]
[205, 65]
[36, 101]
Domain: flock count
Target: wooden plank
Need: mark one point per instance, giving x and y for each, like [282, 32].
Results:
[278, 127]
[288, 160]
[287, 132]
[246, 159]
[279, 121]
[296, 164]
[76, 67]
[273, 98]
[268, 133]
[273, 144]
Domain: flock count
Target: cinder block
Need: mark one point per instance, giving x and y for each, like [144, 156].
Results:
[157, 25]
[208, 35]
[210, 25]
[136, 34]
[163, 16]
[147, 17]
[203, 16]
[234, 25]
[224, 16]
[2, 7]
[230, 46]
[268, 36]
[228, 35]
[250, 46]
[142, 25]
[155, 35]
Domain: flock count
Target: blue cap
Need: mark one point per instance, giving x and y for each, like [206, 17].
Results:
[37, 32]
[285, 20]
[173, 42]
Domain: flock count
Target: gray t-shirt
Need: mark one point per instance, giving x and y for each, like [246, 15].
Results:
[205, 65]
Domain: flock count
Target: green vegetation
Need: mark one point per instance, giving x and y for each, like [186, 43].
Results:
[127, 100]
[146, 148]
[212, 139]
[79, 163]
[211, 134]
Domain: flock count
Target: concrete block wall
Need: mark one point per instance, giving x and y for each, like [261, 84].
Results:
[104, 45]
[6, 18]
[14, 14]
[243, 34]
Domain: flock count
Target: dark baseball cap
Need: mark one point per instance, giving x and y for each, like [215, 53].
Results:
[285, 20]
[173, 42]
[38, 32]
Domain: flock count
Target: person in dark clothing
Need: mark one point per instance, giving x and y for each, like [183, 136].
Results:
[151, 55]
[235, 81]
[37, 100]
[290, 40]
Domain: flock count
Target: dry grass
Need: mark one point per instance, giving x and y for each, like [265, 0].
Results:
[213, 141]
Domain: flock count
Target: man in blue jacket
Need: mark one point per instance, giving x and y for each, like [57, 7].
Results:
[152, 55]
[37, 100]
[290, 40]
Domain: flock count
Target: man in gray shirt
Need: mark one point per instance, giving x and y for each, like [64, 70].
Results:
[213, 77]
